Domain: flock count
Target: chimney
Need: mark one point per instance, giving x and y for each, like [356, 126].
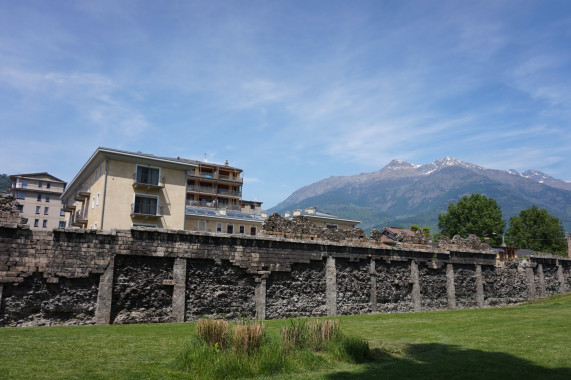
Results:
[226, 164]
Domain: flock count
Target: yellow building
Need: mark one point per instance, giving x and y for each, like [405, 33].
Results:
[119, 189]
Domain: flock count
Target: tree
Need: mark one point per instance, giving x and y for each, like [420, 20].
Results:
[476, 215]
[537, 230]
[425, 230]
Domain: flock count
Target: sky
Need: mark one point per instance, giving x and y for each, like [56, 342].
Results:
[291, 92]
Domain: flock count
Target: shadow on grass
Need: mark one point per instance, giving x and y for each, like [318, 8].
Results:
[440, 361]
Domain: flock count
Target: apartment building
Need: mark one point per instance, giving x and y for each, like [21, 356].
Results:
[120, 189]
[38, 196]
[322, 219]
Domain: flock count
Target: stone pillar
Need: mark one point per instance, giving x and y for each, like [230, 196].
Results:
[1, 291]
[479, 287]
[179, 290]
[541, 276]
[331, 287]
[373, 272]
[450, 289]
[561, 278]
[415, 285]
[105, 295]
[530, 283]
[260, 298]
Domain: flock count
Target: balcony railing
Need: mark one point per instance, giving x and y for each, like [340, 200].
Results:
[148, 183]
[68, 205]
[215, 176]
[81, 193]
[214, 205]
[231, 193]
[146, 211]
[201, 189]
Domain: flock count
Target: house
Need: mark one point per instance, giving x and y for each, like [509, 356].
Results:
[324, 220]
[389, 235]
[38, 196]
[120, 189]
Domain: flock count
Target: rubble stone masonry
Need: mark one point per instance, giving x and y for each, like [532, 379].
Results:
[74, 276]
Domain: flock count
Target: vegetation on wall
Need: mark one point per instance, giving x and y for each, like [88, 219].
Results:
[4, 183]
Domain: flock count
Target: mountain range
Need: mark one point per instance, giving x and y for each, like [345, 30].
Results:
[402, 194]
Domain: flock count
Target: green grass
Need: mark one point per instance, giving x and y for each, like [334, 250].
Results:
[531, 341]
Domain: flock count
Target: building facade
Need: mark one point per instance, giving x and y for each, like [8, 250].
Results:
[38, 196]
[323, 220]
[119, 189]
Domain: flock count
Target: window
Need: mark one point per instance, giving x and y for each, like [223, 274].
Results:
[218, 227]
[201, 225]
[145, 205]
[46, 210]
[21, 208]
[36, 222]
[45, 224]
[47, 198]
[331, 226]
[92, 203]
[38, 209]
[253, 231]
[24, 184]
[147, 175]
[229, 228]
[242, 229]
[97, 200]
[61, 224]
[95, 225]
[39, 197]
[40, 183]
[21, 195]
[61, 212]
[48, 185]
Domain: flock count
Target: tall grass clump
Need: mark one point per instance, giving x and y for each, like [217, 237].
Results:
[214, 332]
[244, 350]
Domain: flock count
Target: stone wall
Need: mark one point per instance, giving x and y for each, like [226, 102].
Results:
[156, 275]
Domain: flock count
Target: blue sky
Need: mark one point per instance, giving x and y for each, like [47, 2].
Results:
[290, 91]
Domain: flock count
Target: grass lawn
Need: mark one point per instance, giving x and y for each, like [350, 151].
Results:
[531, 341]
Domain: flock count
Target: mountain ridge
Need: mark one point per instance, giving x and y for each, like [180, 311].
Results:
[401, 191]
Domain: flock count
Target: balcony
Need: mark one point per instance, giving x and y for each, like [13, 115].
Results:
[82, 193]
[68, 206]
[146, 211]
[147, 182]
[230, 193]
[215, 176]
[213, 205]
[201, 189]
[79, 219]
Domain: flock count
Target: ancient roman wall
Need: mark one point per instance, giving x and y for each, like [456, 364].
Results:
[156, 275]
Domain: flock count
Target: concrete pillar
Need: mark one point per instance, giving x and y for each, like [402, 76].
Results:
[331, 287]
[105, 295]
[541, 276]
[260, 299]
[530, 283]
[561, 278]
[373, 272]
[179, 290]
[479, 287]
[450, 289]
[415, 286]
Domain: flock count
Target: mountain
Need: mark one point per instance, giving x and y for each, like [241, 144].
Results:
[401, 193]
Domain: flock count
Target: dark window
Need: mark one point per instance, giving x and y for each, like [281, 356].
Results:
[37, 209]
[21, 195]
[39, 197]
[48, 185]
[253, 231]
[61, 224]
[40, 183]
[21, 208]
[230, 228]
[45, 223]
[46, 209]
[218, 227]
[147, 175]
[145, 205]
[47, 198]
[36, 222]
[242, 229]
